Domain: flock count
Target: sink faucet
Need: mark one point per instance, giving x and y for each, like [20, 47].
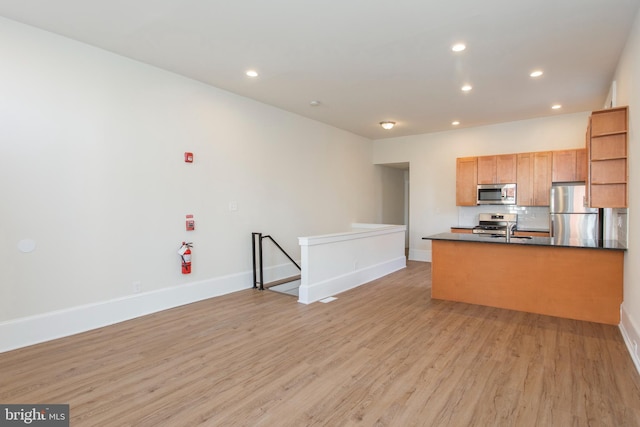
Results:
[510, 227]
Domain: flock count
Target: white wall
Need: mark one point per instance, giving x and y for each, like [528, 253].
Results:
[628, 93]
[91, 169]
[432, 159]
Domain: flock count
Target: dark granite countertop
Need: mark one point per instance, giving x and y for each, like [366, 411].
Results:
[535, 241]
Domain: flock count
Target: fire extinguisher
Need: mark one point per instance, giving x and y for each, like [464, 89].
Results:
[185, 254]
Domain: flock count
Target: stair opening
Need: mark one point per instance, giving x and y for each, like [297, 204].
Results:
[287, 285]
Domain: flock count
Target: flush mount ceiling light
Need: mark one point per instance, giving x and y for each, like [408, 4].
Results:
[314, 103]
[536, 73]
[455, 123]
[387, 125]
[252, 73]
[458, 47]
[556, 106]
[466, 88]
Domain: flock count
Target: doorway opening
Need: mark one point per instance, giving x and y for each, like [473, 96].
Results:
[395, 199]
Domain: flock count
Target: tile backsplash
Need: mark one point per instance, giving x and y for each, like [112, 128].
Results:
[529, 217]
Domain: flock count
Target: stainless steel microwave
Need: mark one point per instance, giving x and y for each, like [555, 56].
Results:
[496, 194]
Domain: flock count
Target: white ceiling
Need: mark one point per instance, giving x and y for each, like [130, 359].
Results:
[367, 60]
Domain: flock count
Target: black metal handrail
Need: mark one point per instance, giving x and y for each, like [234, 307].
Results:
[256, 243]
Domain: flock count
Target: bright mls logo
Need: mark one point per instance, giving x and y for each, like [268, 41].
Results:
[34, 415]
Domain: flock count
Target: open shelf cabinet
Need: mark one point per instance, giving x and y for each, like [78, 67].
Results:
[607, 141]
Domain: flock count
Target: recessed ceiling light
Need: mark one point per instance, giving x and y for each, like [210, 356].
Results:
[536, 73]
[455, 123]
[458, 47]
[387, 125]
[252, 73]
[466, 88]
[556, 106]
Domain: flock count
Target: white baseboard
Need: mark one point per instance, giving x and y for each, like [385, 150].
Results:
[631, 335]
[419, 255]
[36, 329]
[336, 285]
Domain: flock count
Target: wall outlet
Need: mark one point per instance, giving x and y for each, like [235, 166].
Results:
[137, 286]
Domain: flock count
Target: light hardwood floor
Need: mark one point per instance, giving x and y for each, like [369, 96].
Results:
[381, 354]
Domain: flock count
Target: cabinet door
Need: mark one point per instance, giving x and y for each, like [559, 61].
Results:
[466, 181]
[542, 162]
[581, 164]
[506, 169]
[532, 233]
[564, 166]
[487, 170]
[461, 230]
[524, 179]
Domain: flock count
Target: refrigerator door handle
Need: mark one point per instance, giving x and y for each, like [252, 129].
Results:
[551, 227]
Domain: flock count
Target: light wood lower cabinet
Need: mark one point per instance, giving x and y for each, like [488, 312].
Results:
[517, 233]
[575, 283]
[461, 230]
[532, 234]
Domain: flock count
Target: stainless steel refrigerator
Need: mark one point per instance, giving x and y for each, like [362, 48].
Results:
[570, 217]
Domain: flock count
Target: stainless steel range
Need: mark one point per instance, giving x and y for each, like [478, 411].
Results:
[495, 223]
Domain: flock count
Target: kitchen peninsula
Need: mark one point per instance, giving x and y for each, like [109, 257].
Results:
[579, 280]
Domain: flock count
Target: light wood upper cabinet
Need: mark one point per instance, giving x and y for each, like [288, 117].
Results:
[524, 179]
[487, 170]
[466, 181]
[542, 171]
[569, 165]
[608, 165]
[534, 178]
[506, 169]
[500, 169]
[581, 164]
[533, 173]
